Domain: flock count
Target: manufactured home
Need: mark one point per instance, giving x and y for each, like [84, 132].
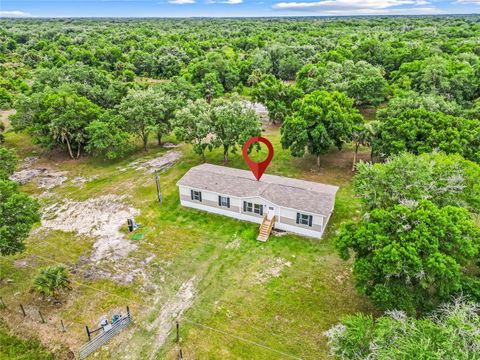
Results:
[274, 202]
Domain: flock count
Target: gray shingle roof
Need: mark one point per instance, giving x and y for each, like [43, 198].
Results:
[286, 192]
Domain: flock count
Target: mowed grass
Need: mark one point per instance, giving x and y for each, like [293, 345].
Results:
[287, 312]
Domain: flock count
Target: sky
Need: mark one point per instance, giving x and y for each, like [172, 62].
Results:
[232, 8]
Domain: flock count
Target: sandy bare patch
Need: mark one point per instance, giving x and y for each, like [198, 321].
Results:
[158, 164]
[49, 180]
[24, 176]
[100, 218]
[170, 310]
[80, 180]
[28, 162]
[46, 178]
[272, 268]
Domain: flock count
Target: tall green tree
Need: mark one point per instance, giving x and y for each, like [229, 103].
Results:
[275, 95]
[170, 105]
[107, 136]
[193, 124]
[408, 100]
[70, 115]
[449, 76]
[232, 124]
[18, 212]
[86, 81]
[320, 120]
[410, 257]
[143, 110]
[210, 87]
[56, 118]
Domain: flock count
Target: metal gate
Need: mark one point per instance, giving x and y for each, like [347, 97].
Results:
[101, 339]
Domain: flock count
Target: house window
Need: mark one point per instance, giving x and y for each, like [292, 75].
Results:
[252, 208]
[247, 206]
[304, 219]
[196, 195]
[258, 209]
[224, 201]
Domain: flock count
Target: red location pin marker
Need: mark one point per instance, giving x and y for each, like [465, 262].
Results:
[258, 168]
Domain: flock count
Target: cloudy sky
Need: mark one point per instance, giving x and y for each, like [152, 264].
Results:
[188, 8]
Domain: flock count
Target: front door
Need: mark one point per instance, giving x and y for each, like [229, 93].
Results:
[270, 213]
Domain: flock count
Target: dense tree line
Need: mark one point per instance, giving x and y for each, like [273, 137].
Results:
[425, 69]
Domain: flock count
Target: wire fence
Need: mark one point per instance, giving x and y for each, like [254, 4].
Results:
[104, 336]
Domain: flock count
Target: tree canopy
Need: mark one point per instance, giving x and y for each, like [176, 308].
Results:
[419, 131]
[410, 257]
[320, 120]
[449, 333]
[361, 81]
[144, 113]
[8, 162]
[18, 212]
[406, 179]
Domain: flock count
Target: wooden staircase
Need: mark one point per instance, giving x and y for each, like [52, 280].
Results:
[265, 228]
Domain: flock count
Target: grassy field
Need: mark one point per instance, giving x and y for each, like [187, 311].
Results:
[19, 349]
[229, 289]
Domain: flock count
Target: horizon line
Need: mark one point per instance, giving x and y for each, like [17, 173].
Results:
[236, 17]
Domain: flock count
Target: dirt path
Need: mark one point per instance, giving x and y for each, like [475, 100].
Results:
[172, 309]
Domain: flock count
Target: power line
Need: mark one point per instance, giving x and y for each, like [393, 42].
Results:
[225, 333]
[241, 339]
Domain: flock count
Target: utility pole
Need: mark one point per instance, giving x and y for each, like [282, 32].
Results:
[159, 189]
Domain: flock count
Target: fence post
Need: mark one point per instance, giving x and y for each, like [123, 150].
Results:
[88, 333]
[41, 316]
[128, 311]
[23, 310]
[178, 332]
[63, 326]
[180, 354]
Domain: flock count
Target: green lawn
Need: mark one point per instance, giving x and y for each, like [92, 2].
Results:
[289, 313]
[17, 349]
